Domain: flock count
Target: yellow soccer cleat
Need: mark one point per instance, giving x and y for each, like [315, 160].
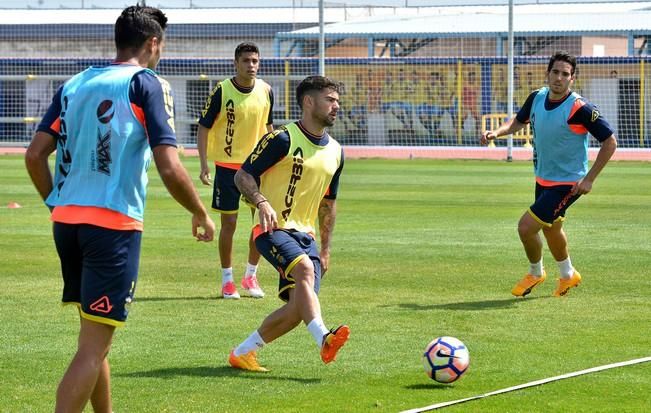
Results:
[248, 361]
[525, 285]
[333, 341]
[564, 284]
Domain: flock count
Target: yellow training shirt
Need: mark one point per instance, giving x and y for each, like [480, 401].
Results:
[296, 184]
[240, 124]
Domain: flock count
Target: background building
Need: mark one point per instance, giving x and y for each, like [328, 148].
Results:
[426, 75]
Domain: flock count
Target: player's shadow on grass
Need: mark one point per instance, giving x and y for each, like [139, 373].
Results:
[220, 371]
[466, 305]
[429, 386]
[196, 298]
[207, 297]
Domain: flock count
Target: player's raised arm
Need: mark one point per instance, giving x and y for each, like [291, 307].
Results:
[507, 128]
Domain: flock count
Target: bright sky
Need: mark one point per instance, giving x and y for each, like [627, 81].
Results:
[36, 12]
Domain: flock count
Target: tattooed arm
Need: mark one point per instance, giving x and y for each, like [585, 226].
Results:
[327, 214]
[247, 185]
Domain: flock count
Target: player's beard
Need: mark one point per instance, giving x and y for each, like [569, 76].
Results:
[329, 120]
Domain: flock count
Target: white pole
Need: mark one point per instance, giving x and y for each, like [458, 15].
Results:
[321, 40]
[509, 99]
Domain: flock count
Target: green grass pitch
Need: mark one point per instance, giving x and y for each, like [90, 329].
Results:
[421, 249]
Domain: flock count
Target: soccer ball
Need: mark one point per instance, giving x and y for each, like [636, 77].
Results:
[445, 359]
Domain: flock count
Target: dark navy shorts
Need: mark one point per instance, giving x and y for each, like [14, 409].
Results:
[551, 203]
[284, 249]
[99, 268]
[225, 195]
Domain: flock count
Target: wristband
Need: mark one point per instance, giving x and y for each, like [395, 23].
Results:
[257, 205]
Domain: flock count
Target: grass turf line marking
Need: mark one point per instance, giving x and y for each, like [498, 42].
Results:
[530, 384]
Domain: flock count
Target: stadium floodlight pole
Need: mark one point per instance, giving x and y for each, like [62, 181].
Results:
[509, 98]
[321, 40]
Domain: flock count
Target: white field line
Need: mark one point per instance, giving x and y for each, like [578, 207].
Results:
[530, 384]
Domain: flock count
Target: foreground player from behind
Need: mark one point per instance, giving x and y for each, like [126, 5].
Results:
[298, 167]
[560, 121]
[102, 123]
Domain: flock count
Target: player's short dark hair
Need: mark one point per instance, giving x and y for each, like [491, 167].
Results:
[562, 56]
[246, 47]
[313, 84]
[137, 24]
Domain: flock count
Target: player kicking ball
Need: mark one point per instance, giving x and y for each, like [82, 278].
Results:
[298, 167]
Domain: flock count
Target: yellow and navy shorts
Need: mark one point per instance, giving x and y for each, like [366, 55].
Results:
[551, 203]
[99, 268]
[225, 195]
[284, 249]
